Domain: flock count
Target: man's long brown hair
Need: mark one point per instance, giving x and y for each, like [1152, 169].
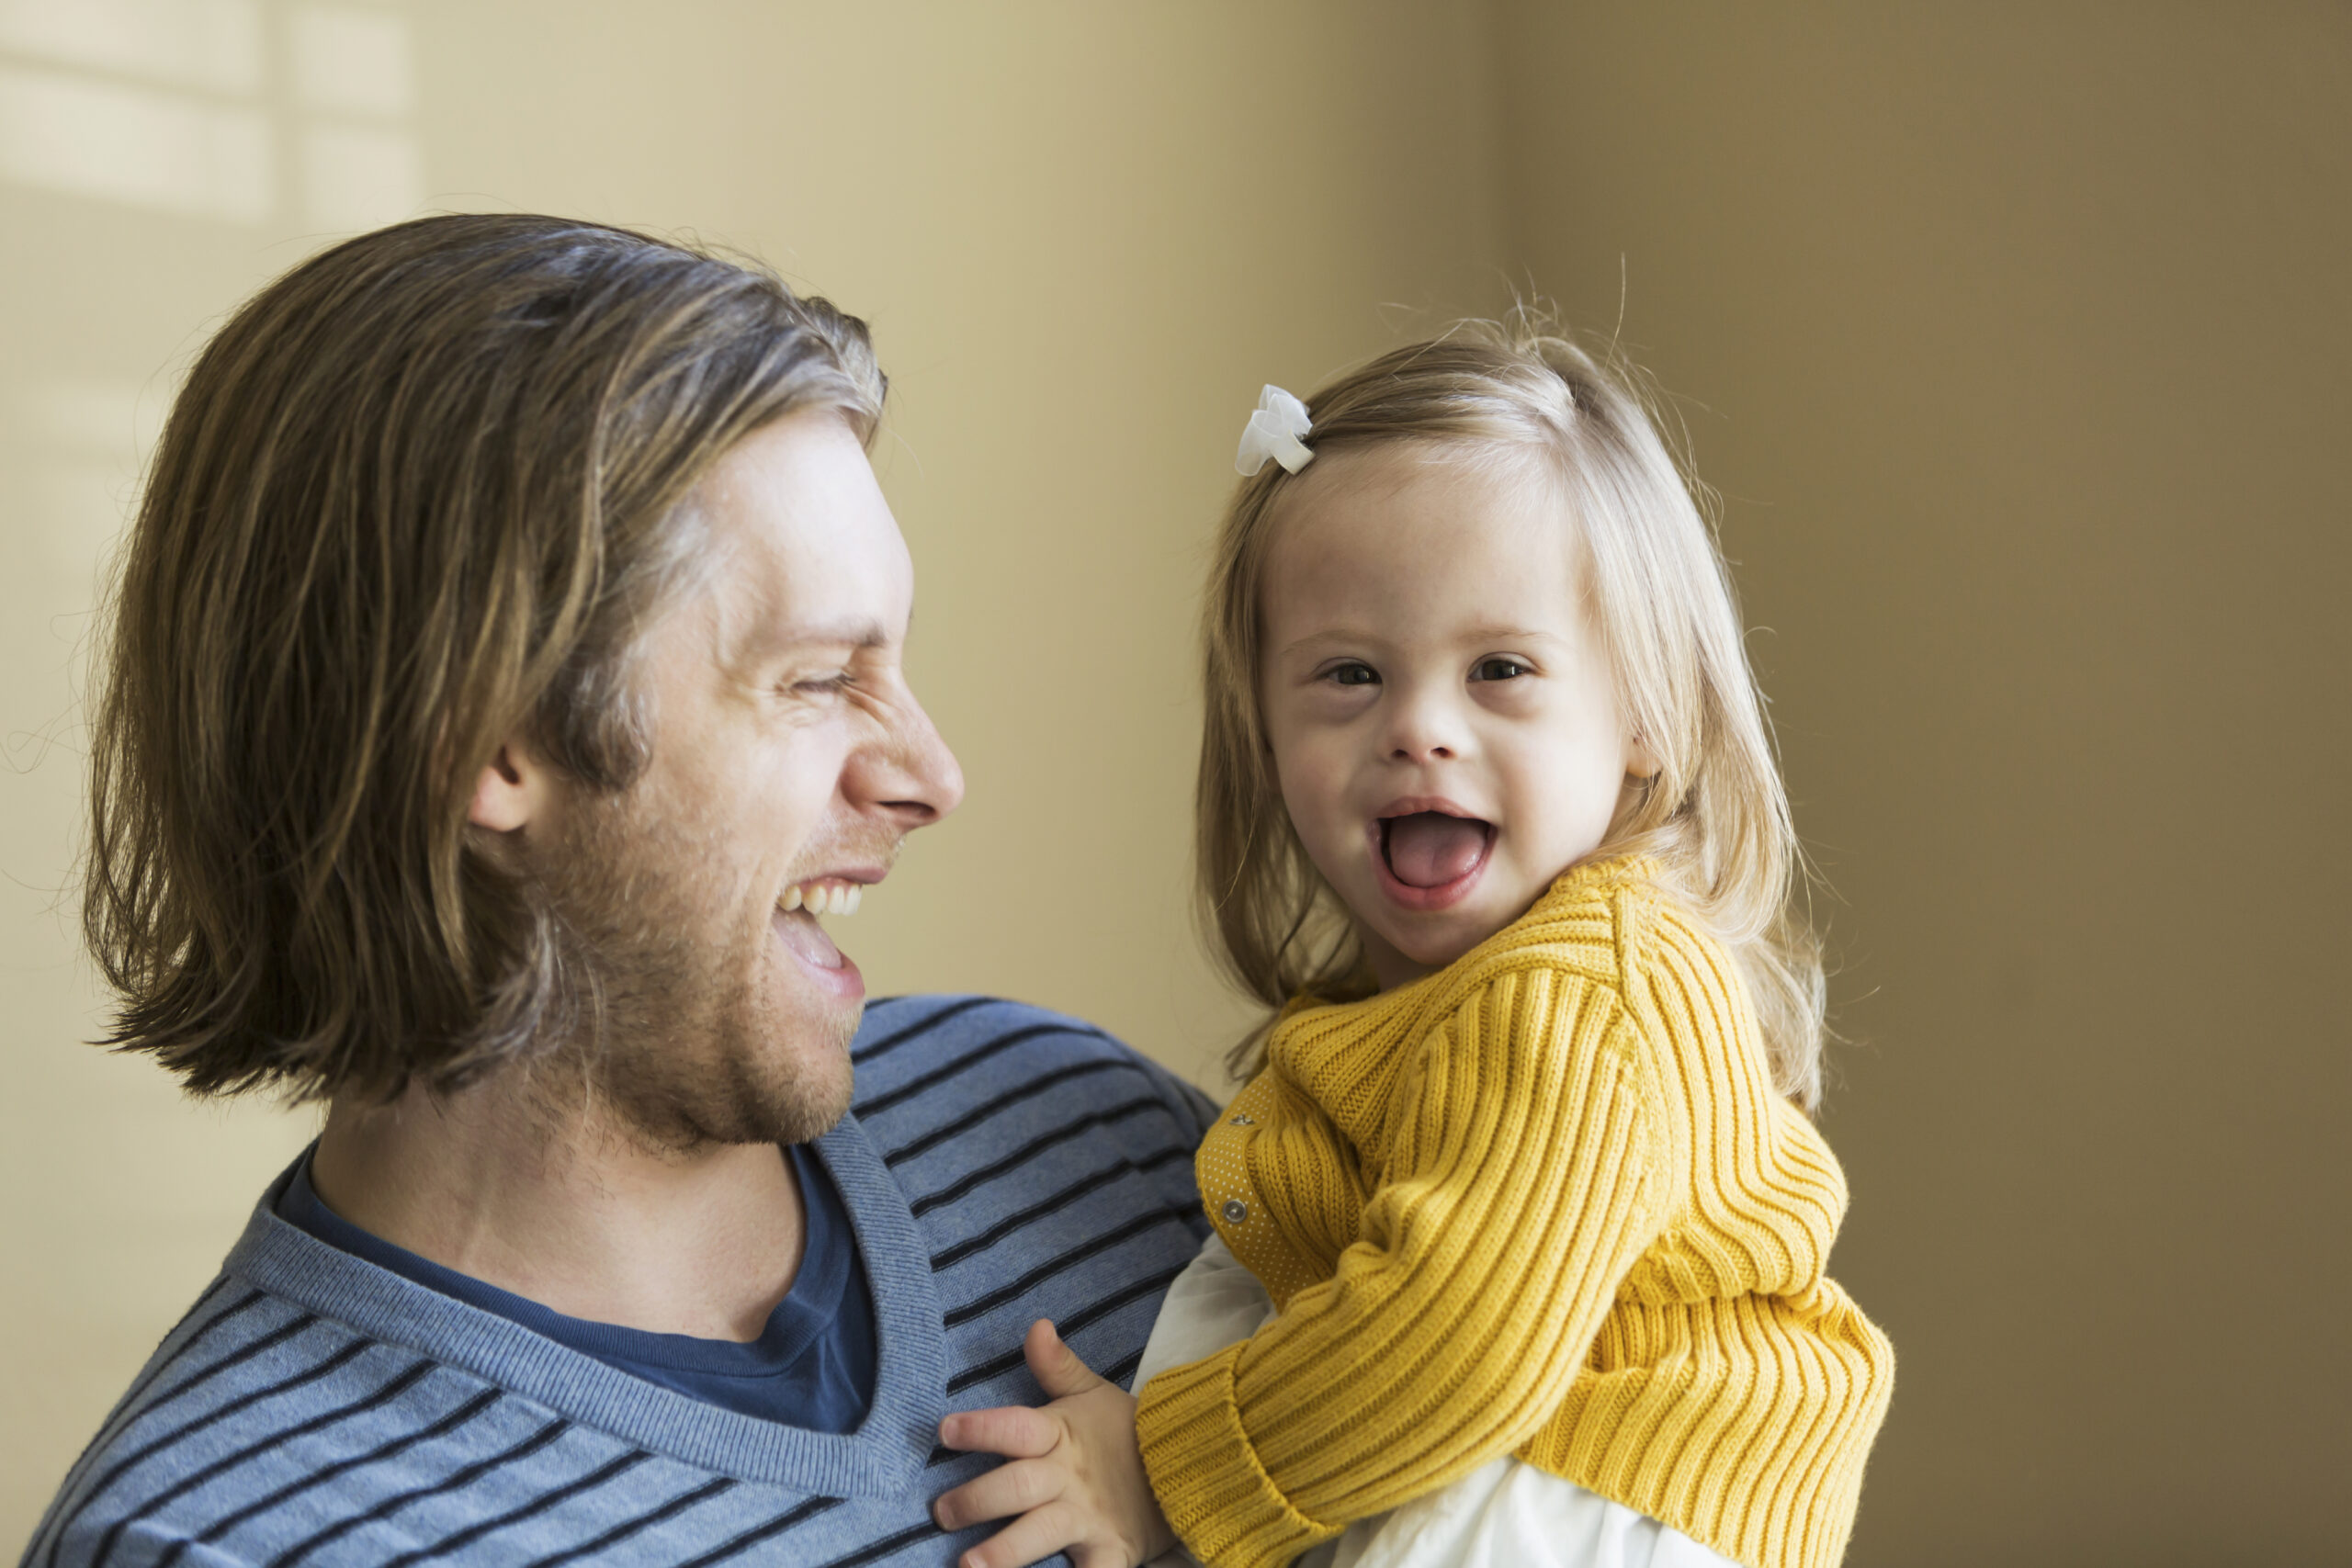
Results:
[423, 492]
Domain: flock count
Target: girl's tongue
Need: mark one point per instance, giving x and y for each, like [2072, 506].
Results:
[1429, 848]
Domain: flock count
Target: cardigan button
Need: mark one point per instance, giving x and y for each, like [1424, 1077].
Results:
[1245, 1121]
[1236, 1211]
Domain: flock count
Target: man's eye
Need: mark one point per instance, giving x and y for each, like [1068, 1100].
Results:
[1353, 675]
[823, 685]
[1499, 670]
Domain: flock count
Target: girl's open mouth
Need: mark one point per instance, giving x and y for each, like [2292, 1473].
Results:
[1429, 859]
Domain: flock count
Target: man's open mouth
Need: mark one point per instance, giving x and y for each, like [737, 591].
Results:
[1432, 849]
[795, 921]
[825, 896]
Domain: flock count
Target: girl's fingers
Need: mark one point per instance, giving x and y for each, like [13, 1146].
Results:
[1007, 1490]
[1057, 1367]
[1032, 1537]
[1015, 1432]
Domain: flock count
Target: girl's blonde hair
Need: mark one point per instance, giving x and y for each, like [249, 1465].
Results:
[1716, 815]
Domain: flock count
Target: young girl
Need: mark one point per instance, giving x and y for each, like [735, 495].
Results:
[1488, 810]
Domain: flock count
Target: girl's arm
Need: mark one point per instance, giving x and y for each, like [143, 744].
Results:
[1528, 1177]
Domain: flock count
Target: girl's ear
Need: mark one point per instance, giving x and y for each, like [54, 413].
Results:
[512, 791]
[1640, 762]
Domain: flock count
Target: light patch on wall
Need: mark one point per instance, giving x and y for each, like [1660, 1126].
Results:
[357, 176]
[212, 44]
[347, 60]
[131, 144]
[359, 166]
[335, 98]
[110, 418]
[91, 440]
[79, 508]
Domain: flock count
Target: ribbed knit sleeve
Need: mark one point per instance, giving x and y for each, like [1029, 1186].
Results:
[1525, 1178]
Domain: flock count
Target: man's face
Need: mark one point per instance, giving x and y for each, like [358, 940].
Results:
[789, 762]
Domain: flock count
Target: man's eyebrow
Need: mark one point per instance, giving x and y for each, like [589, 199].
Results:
[855, 632]
[765, 638]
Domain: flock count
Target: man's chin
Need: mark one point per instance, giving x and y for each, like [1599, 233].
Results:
[816, 1110]
[796, 1124]
[710, 1115]
[809, 1079]
[773, 1074]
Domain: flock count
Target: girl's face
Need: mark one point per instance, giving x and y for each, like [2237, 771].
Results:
[1443, 717]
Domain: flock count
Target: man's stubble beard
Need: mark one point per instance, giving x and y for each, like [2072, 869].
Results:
[676, 1045]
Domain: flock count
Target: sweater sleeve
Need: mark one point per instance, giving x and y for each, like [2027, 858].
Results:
[1525, 1178]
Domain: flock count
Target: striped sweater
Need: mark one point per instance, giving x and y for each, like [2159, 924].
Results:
[1543, 1201]
[1000, 1164]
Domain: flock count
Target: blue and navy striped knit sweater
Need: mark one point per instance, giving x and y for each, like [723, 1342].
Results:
[1002, 1164]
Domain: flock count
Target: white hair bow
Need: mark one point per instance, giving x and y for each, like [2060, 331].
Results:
[1273, 431]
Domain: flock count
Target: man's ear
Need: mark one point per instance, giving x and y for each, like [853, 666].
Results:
[511, 792]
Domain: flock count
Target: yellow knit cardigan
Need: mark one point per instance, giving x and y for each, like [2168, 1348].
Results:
[1543, 1203]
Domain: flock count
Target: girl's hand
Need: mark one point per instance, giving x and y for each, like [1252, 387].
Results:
[1074, 1474]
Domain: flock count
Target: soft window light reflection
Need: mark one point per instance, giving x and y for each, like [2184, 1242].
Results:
[349, 61]
[134, 145]
[180, 106]
[90, 440]
[358, 176]
[83, 507]
[352, 62]
[212, 44]
[107, 419]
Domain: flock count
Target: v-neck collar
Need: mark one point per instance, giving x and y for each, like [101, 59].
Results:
[882, 1457]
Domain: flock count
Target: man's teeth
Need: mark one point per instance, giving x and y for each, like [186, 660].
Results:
[822, 898]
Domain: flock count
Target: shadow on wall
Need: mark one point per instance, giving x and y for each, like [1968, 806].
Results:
[234, 110]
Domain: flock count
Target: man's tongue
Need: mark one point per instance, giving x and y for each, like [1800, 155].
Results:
[1429, 848]
[805, 937]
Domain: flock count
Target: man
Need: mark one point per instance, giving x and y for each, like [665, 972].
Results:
[506, 671]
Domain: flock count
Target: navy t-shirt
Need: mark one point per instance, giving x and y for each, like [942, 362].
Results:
[812, 1367]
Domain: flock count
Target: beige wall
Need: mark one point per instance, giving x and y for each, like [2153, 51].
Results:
[2015, 337]
[1084, 235]
[2012, 334]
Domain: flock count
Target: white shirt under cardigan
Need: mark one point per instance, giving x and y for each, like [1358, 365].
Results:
[1505, 1513]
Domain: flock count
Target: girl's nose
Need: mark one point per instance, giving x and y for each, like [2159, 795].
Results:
[1423, 728]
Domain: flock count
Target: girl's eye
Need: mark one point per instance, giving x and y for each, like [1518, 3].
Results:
[1499, 670]
[1353, 675]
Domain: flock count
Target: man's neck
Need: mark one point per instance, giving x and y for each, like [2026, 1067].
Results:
[565, 1209]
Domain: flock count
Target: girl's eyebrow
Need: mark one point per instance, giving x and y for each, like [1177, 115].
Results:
[1492, 632]
[1333, 634]
[1485, 631]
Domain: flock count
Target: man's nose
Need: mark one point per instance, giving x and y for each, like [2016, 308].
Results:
[911, 775]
